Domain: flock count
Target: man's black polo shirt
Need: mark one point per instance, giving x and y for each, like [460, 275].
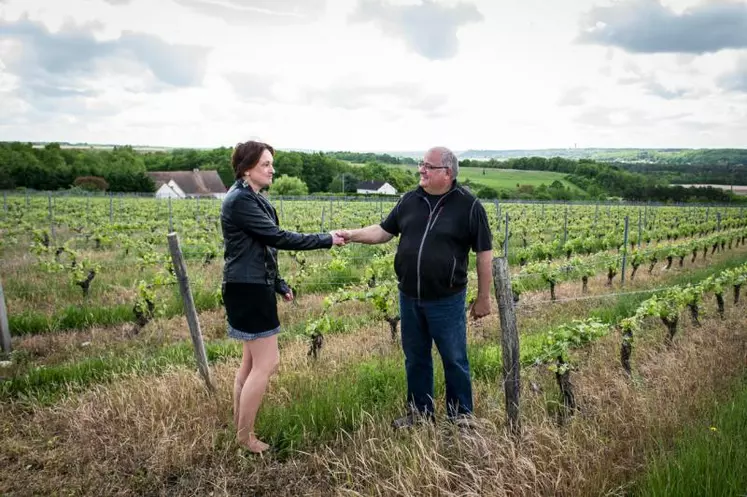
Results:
[436, 234]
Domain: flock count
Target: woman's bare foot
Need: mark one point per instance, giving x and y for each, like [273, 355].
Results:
[255, 445]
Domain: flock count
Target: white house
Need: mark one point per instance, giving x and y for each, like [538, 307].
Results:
[376, 187]
[170, 190]
[188, 184]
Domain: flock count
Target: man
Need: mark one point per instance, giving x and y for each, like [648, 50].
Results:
[438, 223]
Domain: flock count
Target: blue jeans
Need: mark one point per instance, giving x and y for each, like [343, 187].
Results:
[442, 321]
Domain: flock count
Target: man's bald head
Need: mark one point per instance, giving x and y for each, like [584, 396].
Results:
[448, 159]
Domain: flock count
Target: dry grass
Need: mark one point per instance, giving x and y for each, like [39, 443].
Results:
[597, 453]
[167, 436]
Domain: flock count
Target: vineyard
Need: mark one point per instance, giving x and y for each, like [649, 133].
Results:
[616, 306]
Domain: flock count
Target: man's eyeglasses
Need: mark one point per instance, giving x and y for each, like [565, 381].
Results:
[428, 167]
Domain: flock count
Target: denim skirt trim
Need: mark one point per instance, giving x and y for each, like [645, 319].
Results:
[243, 335]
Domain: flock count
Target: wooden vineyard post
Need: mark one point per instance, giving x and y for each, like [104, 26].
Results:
[51, 216]
[640, 235]
[189, 309]
[171, 220]
[625, 252]
[505, 239]
[509, 342]
[4, 328]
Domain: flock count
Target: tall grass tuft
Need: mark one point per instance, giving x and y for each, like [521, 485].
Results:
[709, 460]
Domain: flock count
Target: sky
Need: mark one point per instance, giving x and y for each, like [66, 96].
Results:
[376, 75]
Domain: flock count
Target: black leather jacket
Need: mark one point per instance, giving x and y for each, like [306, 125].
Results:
[252, 236]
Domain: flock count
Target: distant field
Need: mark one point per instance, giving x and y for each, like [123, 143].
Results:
[737, 189]
[507, 178]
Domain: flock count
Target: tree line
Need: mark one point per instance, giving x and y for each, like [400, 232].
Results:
[599, 179]
[123, 169]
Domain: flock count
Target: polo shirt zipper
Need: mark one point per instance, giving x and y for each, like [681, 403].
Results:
[428, 226]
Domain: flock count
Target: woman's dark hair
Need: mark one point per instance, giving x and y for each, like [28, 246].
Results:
[246, 155]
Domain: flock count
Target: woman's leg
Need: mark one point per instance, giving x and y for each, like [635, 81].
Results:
[265, 359]
[238, 385]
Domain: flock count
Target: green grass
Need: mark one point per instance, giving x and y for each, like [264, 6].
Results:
[508, 178]
[47, 384]
[339, 402]
[708, 460]
[77, 317]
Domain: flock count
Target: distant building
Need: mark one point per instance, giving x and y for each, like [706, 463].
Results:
[376, 187]
[736, 189]
[188, 184]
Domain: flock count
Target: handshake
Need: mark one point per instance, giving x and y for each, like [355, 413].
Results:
[341, 237]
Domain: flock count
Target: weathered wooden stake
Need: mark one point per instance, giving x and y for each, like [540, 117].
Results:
[189, 309]
[509, 342]
[171, 220]
[625, 252]
[505, 239]
[640, 235]
[4, 328]
[51, 216]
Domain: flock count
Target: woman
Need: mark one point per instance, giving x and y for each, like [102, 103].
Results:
[250, 279]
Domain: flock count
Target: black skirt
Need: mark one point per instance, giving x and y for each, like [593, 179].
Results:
[251, 310]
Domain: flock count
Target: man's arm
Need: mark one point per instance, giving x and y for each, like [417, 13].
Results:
[370, 235]
[481, 307]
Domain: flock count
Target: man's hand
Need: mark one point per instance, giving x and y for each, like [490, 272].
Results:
[346, 235]
[370, 235]
[480, 308]
[337, 240]
[288, 297]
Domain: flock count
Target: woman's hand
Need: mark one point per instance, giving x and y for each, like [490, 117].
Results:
[288, 297]
[337, 240]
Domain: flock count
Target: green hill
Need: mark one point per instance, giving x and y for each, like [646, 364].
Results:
[509, 178]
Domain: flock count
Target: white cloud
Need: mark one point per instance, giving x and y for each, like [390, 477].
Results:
[648, 26]
[365, 75]
[428, 28]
